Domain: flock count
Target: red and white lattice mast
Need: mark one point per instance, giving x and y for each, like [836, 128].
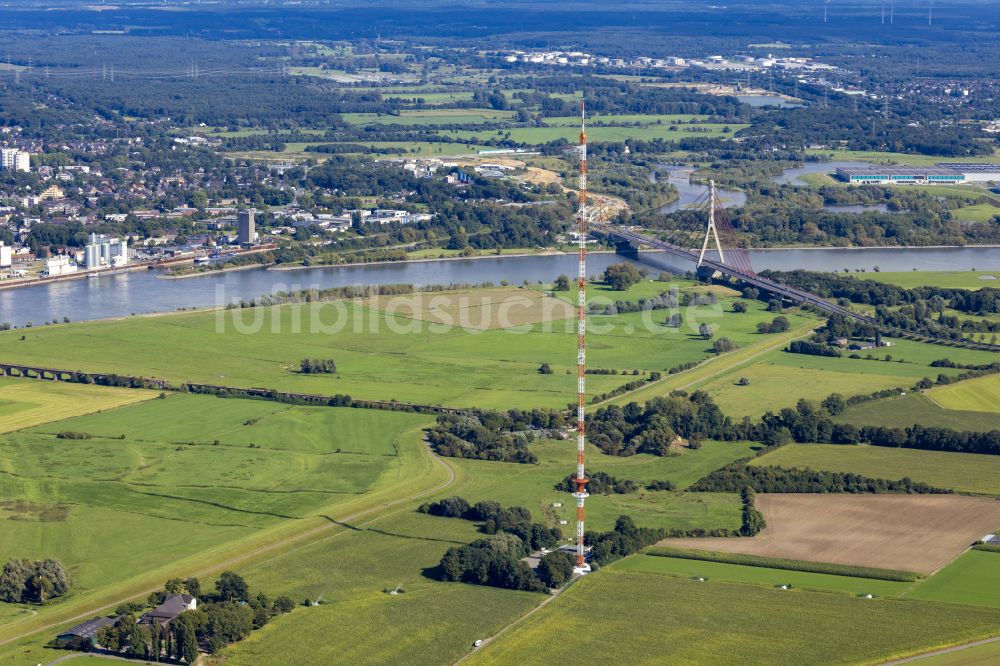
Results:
[581, 353]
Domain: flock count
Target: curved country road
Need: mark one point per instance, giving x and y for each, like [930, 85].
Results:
[303, 539]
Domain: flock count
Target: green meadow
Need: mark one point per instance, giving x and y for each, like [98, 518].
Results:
[26, 403]
[945, 279]
[975, 395]
[181, 475]
[892, 158]
[973, 578]
[605, 133]
[431, 117]
[533, 486]
[672, 619]
[962, 472]
[904, 411]
[429, 622]
[778, 378]
[976, 213]
[387, 354]
[773, 578]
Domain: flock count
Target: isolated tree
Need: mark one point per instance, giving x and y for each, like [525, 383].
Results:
[232, 587]
[724, 345]
[555, 568]
[834, 404]
[622, 276]
[739, 306]
[107, 638]
[13, 579]
[284, 604]
[544, 369]
[706, 331]
[562, 283]
[193, 586]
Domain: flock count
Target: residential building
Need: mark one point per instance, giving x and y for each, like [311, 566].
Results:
[246, 234]
[172, 606]
[13, 159]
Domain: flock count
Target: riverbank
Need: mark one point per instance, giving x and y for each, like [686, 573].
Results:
[211, 271]
[144, 292]
[420, 260]
[86, 274]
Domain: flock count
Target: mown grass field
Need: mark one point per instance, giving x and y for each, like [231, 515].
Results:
[533, 486]
[977, 213]
[976, 395]
[778, 378]
[893, 158]
[171, 478]
[963, 472]
[25, 403]
[431, 117]
[773, 578]
[429, 623]
[973, 578]
[386, 356]
[904, 411]
[945, 279]
[670, 619]
[606, 133]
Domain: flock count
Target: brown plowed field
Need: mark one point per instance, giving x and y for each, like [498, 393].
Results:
[920, 533]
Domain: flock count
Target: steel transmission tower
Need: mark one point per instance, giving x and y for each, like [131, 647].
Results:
[581, 352]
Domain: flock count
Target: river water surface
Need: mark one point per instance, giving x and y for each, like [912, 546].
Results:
[145, 292]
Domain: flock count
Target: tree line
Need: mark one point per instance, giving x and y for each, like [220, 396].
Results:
[33, 581]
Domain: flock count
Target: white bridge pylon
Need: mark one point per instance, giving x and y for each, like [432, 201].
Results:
[712, 231]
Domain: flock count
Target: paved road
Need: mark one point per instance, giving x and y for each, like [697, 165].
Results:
[302, 540]
[545, 602]
[957, 648]
[74, 655]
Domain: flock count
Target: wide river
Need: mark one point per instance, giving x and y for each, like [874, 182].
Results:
[144, 292]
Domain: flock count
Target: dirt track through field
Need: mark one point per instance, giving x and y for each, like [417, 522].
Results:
[920, 533]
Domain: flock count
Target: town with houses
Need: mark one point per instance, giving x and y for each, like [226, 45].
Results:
[166, 228]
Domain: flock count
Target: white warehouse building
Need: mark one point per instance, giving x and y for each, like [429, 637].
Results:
[974, 173]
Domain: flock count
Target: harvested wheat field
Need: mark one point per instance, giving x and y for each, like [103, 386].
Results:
[919, 533]
[480, 309]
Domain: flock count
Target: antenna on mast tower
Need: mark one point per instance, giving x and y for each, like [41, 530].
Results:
[581, 352]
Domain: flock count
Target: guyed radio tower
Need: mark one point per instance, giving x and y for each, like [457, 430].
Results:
[581, 351]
